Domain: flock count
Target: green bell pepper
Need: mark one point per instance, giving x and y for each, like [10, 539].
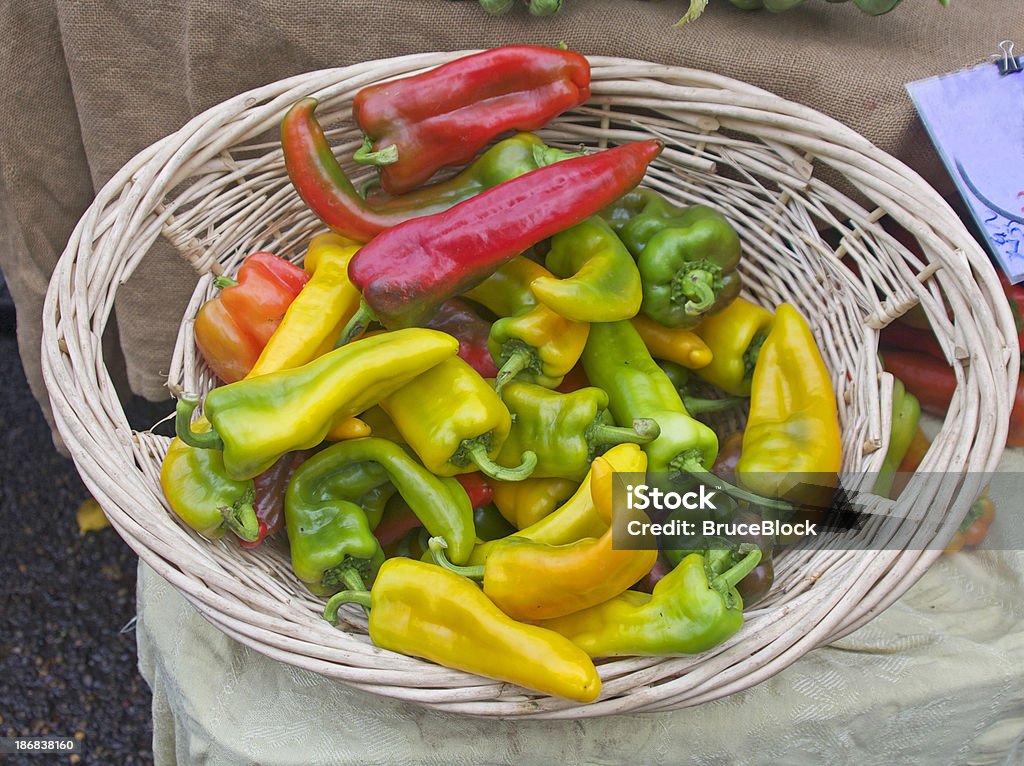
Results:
[691, 610]
[566, 431]
[687, 257]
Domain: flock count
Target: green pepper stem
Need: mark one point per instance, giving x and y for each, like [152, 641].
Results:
[241, 519]
[544, 155]
[692, 466]
[187, 404]
[519, 360]
[600, 434]
[361, 597]
[751, 354]
[696, 287]
[731, 577]
[224, 281]
[475, 452]
[359, 322]
[365, 155]
[696, 405]
[437, 546]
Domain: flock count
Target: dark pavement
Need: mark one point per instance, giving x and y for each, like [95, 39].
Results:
[67, 661]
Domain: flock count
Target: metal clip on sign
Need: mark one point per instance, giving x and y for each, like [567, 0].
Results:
[1009, 63]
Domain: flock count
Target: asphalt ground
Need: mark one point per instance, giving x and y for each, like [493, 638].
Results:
[68, 663]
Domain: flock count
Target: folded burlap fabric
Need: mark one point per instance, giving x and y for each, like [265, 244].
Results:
[84, 88]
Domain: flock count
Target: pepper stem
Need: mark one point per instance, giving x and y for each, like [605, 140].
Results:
[359, 322]
[224, 281]
[600, 434]
[437, 546]
[751, 354]
[520, 359]
[544, 155]
[691, 464]
[731, 577]
[696, 405]
[187, 404]
[696, 287]
[476, 453]
[241, 519]
[365, 155]
[361, 597]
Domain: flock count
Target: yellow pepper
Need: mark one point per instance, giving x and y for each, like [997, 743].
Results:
[526, 502]
[529, 580]
[314, 320]
[529, 341]
[425, 611]
[672, 344]
[734, 336]
[792, 436]
[455, 422]
[577, 518]
[256, 420]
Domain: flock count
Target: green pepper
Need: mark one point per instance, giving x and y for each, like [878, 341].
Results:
[528, 340]
[906, 411]
[201, 493]
[692, 609]
[441, 504]
[256, 420]
[595, 278]
[687, 257]
[566, 431]
[490, 524]
[617, 361]
[332, 545]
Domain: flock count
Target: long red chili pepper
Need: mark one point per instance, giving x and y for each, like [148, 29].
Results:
[326, 189]
[416, 125]
[406, 272]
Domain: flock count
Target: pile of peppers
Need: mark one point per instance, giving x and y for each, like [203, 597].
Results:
[436, 407]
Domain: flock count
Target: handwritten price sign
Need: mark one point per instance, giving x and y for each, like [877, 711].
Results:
[975, 118]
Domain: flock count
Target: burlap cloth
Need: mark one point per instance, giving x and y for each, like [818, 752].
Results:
[86, 85]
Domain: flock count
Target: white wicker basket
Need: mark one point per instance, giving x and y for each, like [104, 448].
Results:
[217, 189]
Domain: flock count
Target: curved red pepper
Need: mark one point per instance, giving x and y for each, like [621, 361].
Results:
[406, 272]
[443, 117]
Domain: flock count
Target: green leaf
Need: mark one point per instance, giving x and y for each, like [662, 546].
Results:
[696, 9]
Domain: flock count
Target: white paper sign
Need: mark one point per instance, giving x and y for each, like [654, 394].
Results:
[975, 118]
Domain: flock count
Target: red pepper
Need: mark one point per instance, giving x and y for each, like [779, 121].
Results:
[268, 497]
[232, 328]
[416, 125]
[406, 272]
[323, 186]
[477, 487]
[574, 380]
[904, 337]
[457, 318]
[931, 380]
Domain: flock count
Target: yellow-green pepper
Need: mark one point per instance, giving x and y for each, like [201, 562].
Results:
[256, 420]
[455, 422]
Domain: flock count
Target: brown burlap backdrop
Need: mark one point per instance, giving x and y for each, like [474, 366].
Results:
[86, 85]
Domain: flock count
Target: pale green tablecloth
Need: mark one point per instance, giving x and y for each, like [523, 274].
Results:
[938, 678]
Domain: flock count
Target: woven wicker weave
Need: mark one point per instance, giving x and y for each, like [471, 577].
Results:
[217, 189]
